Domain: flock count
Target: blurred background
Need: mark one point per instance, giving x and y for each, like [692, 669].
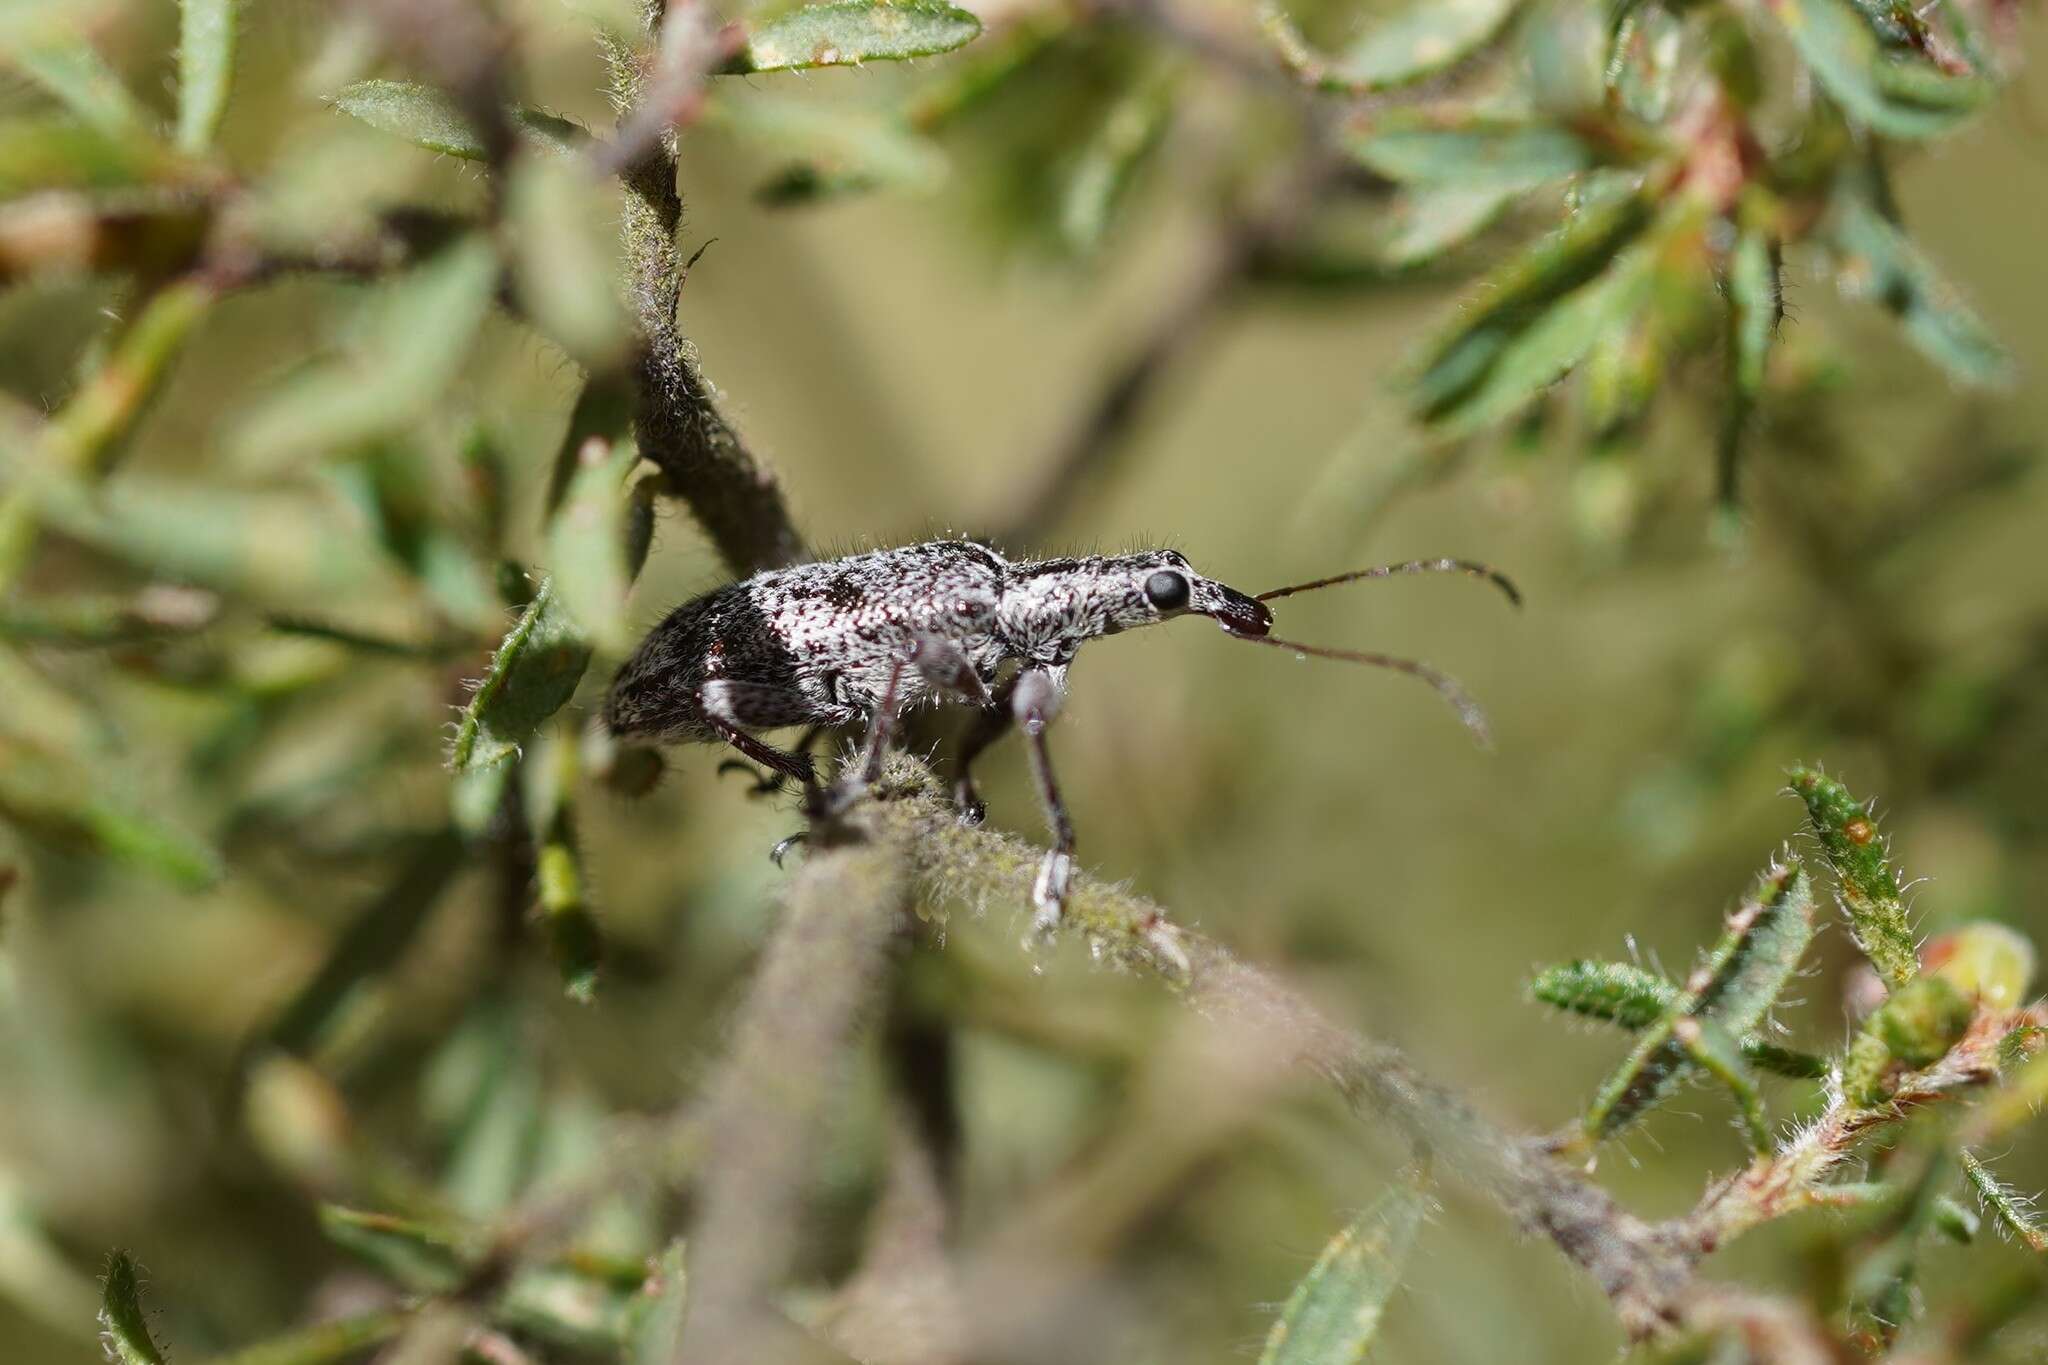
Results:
[195, 1049]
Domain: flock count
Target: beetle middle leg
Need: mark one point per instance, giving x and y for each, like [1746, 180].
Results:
[1034, 699]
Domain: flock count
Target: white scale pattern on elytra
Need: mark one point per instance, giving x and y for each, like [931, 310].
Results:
[816, 643]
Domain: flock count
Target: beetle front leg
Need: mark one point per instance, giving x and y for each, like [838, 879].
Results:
[1034, 700]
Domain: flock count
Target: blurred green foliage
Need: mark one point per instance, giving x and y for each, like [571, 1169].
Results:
[361, 988]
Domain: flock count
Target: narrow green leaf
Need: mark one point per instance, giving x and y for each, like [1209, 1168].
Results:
[56, 153]
[1427, 221]
[1882, 264]
[1334, 1313]
[70, 622]
[498, 1110]
[324, 1343]
[2013, 1212]
[1755, 303]
[565, 245]
[67, 804]
[1955, 1220]
[427, 118]
[854, 31]
[206, 67]
[426, 1258]
[414, 334]
[1615, 991]
[1717, 1053]
[124, 1327]
[1394, 50]
[270, 546]
[1901, 96]
[72, 72]
[1756, 957]
[418, 114]
[657, 1318]
[1513, 298]
[375, 939]
[586, 542]
[1548, 348]
[532, 676]
[1471, 152]
[1109, 162]
[1868, 887]
[574, 939]
[1784, 1061]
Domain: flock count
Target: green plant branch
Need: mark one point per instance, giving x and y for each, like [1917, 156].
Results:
[733, 496]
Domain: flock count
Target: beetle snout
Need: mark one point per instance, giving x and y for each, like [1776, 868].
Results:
[1232, 610]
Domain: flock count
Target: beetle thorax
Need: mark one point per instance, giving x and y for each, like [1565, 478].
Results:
[1050, 608]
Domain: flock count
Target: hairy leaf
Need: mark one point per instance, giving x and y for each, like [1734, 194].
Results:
[1883, 264]
[1334, 1313]
[1897, 95]
[427, 1258]
[1848, 834]
[1615, 991]
[414, 334]
[532, 676]
[1732, 990]
[1514, 298]
[427, 118]
[1427, 221]
[1394, 50]
[66, 803]
[206, 64]
[78, 77]
[1471, 152]
[124, 1327]
[854, 31]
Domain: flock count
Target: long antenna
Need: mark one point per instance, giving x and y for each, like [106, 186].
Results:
[1470, 568]
[1447, 687]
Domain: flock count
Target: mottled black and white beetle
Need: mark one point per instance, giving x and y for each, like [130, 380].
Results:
[865, 637]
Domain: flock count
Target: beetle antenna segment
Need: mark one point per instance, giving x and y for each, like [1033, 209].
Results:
[1446, 686]
[1470, 568]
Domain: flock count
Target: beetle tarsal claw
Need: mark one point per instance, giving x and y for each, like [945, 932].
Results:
[783, 846]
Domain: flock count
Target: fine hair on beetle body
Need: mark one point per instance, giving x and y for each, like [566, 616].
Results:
[865, 637]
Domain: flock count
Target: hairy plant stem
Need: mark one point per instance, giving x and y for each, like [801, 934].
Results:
[733, 496]
[1645, 1270]
[823, 968]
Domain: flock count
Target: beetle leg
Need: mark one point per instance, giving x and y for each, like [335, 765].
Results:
[768, 783]
[991, 725]
[1034, 700]
[867, 770]
[947, 669]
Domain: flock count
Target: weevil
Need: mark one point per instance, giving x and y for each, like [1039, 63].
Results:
[864, 638]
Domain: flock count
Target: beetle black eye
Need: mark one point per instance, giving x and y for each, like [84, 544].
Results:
[1167, 591]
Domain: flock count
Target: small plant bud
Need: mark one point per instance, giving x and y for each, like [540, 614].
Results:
[1989, 962]
[1914, 1029]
